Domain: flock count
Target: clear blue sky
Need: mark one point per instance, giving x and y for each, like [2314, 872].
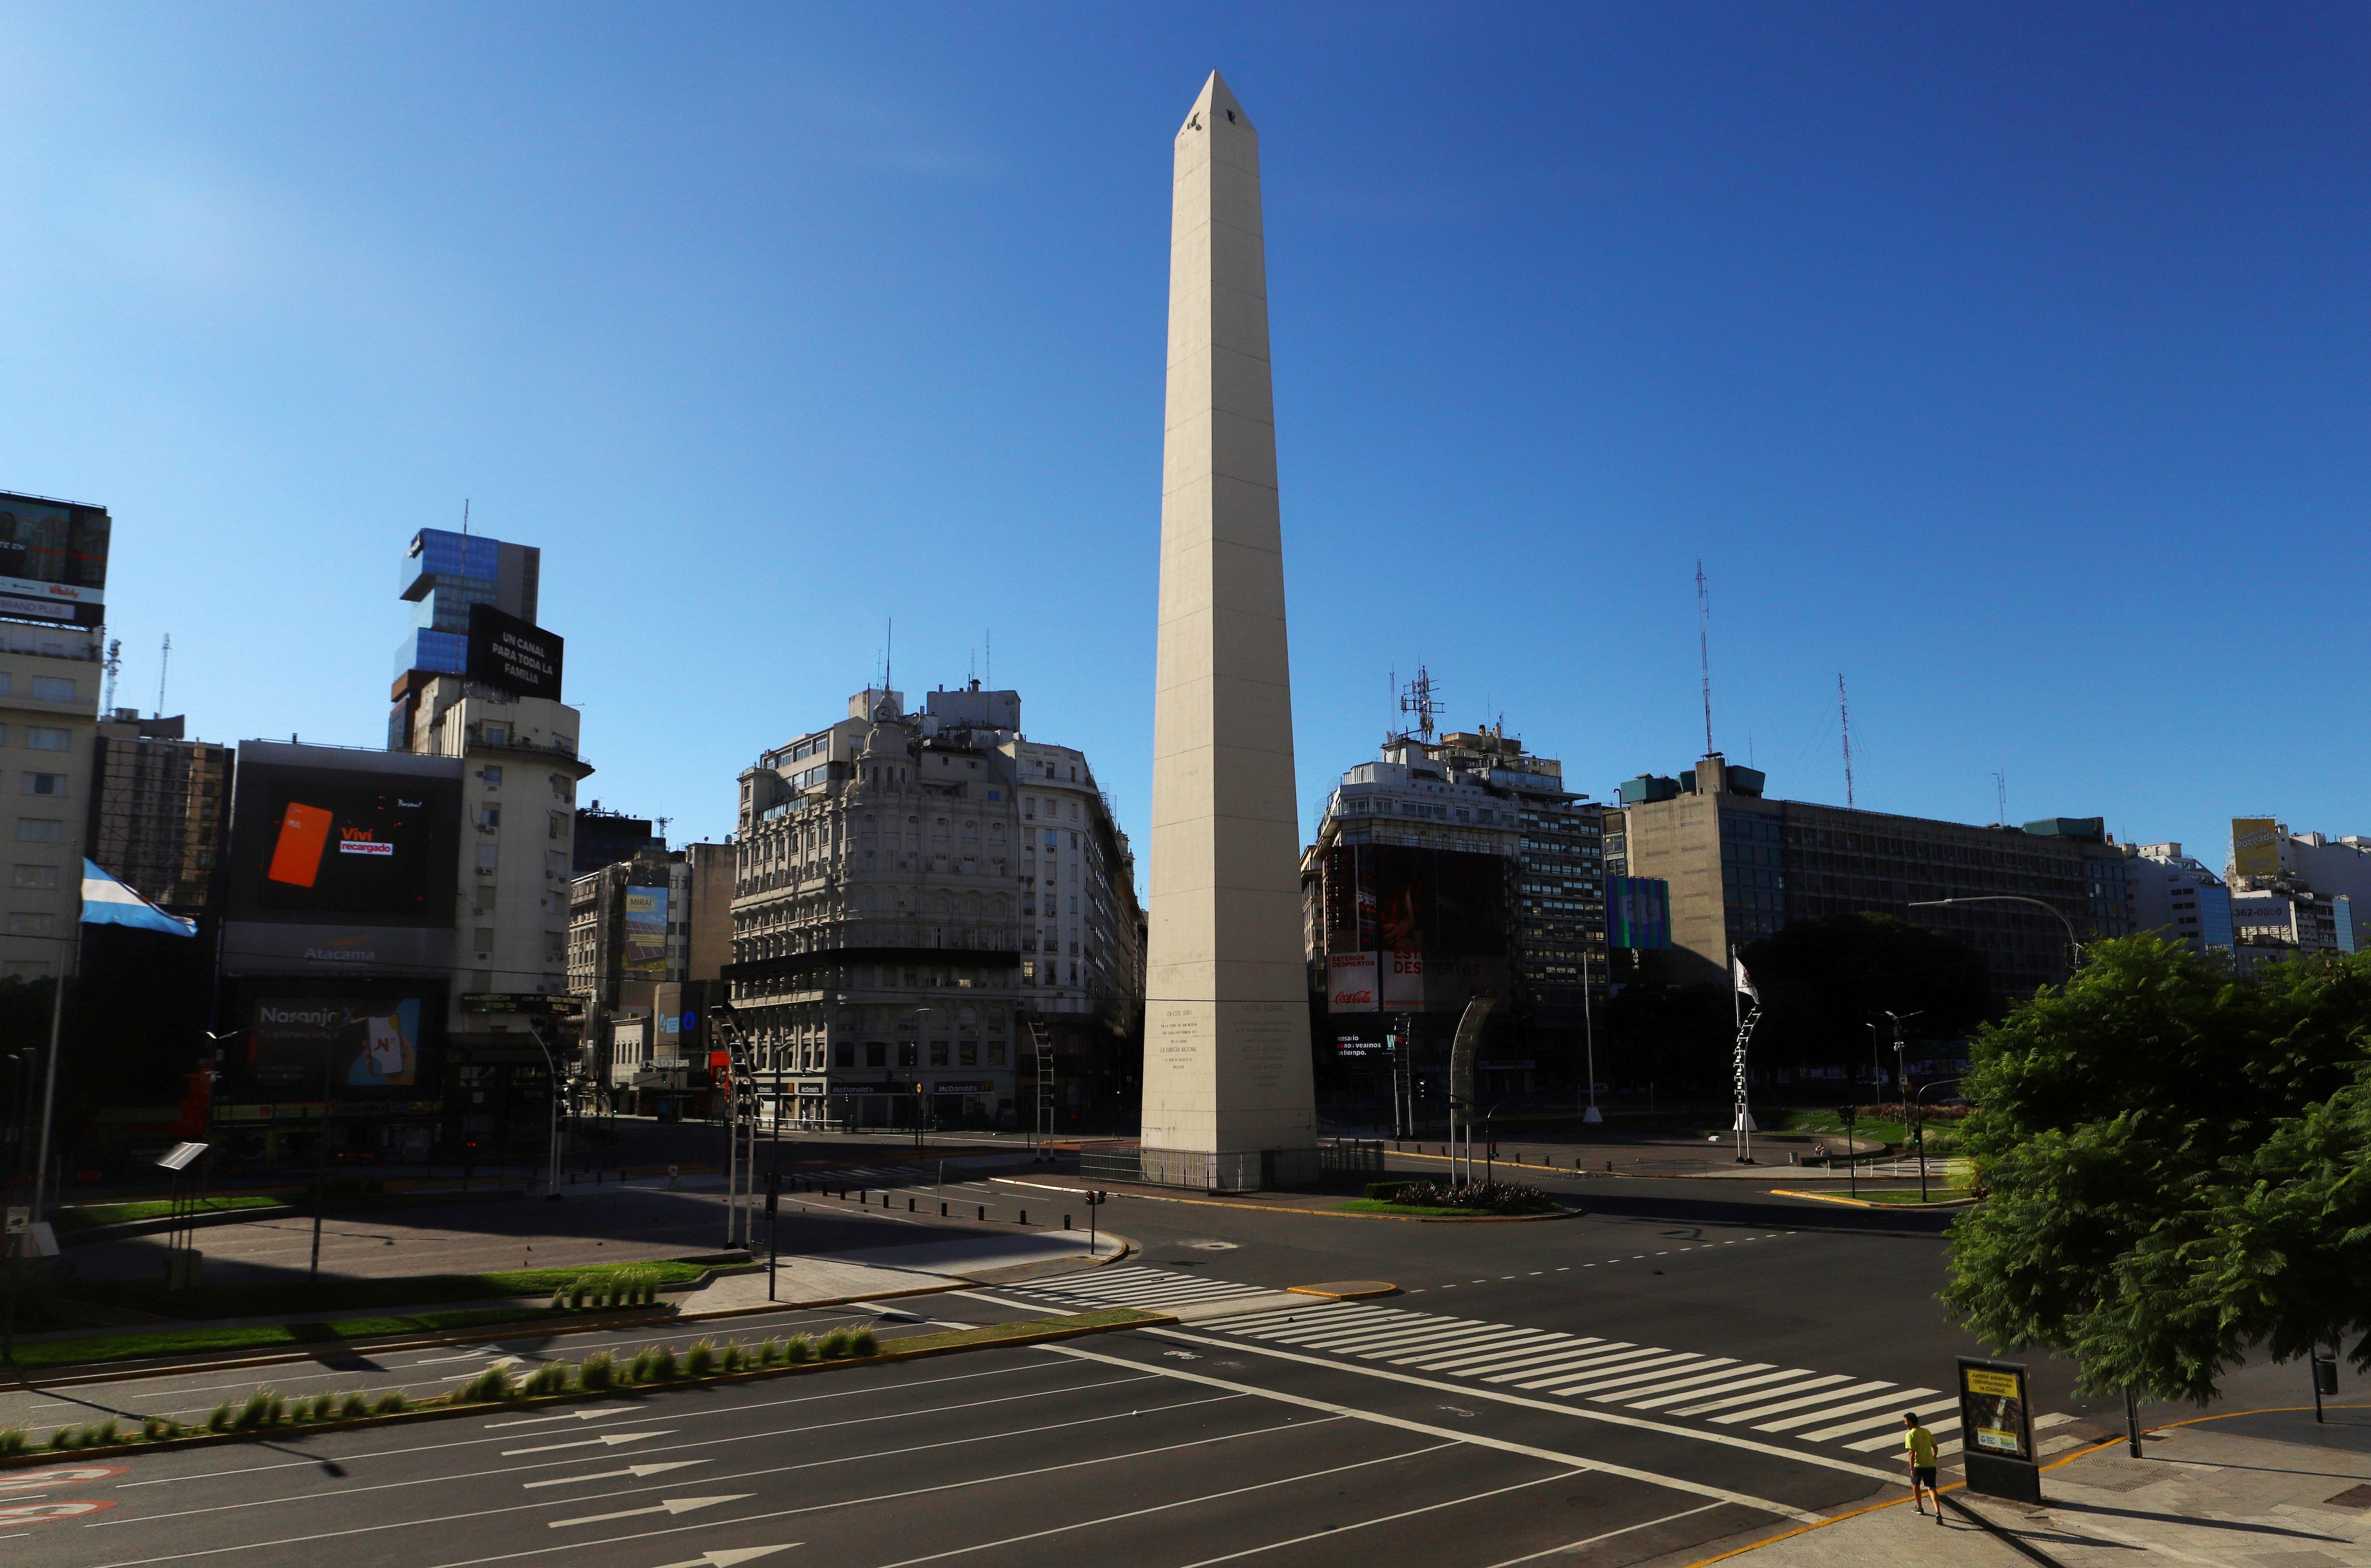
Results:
[2010, 360]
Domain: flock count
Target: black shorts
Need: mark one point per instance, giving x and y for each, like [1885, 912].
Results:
[1922, 1475]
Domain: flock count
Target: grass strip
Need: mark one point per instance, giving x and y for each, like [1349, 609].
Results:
[89, 1216]
[266, 1336]
[1384, 1206]
[332, 1295]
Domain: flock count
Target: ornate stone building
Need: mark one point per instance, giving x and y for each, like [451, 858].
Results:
[919, 898]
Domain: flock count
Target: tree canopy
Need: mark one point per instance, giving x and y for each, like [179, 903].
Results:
[2178, 1167]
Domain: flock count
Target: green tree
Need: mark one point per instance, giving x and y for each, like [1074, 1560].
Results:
[1824, 981]
[2178, 1169]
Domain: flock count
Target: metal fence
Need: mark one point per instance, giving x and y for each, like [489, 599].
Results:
[1200, 1170]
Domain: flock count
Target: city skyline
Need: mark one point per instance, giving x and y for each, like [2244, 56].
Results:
[1992, 413]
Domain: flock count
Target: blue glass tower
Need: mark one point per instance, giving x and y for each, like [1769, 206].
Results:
[444, 574]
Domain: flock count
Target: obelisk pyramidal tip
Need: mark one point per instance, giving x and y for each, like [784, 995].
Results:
[1226, 1050]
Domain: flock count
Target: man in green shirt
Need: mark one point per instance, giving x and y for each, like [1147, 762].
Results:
[1919, 1444]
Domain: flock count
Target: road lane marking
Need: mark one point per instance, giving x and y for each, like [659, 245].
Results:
[665, 1505]
[1571, 1546]
[1693, 1434]
[850, 1502]
[1354, 1413]
[637, 1471]
[1386, 1520]
[606, 1439]
[568, 1415]
[726, 1557]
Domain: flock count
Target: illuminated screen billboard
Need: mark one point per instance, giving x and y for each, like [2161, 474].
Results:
[1638, 913]
[53, 559]
[646, 934]
[1421, 930]
[343, 846]
[517, 656]
[365, 1047]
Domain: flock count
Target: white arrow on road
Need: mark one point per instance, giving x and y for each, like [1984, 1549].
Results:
[498, 1361]
[609, 1439]
[637, 1471]
[672, 1505]
[564, 1415]
[725, 1557]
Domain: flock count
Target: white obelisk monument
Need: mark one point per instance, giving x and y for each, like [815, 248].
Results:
[1225, 1046]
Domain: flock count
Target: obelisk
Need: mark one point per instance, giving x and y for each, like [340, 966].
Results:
[1226, 1049]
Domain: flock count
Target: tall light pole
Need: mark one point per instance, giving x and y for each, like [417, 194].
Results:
[1589, 1034]
[1921, 1133]
[2074, 946]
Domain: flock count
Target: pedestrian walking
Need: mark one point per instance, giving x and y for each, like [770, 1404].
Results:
[1918, 1447]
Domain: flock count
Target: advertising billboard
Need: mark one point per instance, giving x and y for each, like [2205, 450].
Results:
[357, 846]
[53, 559]
[516, 656]
[363, 1046]
[1638, 913]
[2256, 847]
[646, 934]
[1421, 930]
[1350, 983]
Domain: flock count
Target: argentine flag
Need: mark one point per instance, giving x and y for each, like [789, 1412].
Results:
[107, 902]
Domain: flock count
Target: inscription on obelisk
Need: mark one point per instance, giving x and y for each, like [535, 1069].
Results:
[1226, 1067]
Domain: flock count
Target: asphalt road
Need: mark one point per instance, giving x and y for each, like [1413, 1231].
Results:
[1679, 1367]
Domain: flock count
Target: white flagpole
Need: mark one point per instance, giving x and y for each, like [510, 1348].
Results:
[50, 1068]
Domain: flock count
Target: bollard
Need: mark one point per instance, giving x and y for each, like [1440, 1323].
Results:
[909, 1205]
[1066, 1222]
[983, 1211]
[942, 1211]
[1024, 1217]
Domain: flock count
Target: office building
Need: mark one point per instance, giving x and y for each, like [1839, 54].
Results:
[444, 578]
[606, 837]
[160, 808]
[2175, 897]
[1448, 869]
[922, 899]
[52, 580]
[648, 940]
[2294, 893]
[1741, 866]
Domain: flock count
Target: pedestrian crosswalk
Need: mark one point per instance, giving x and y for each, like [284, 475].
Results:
[1134, 1286]
[1860, 1415]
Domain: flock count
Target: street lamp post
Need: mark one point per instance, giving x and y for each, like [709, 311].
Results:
[2074, 946]
[1938, 1083]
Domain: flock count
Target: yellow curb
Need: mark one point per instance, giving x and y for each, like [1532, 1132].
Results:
[1322, 1214]
[1344, 1290]
[206, 1440]
[1864, 1203]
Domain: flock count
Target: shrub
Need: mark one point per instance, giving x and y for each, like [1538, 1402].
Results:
[392, 1403]
[863, 1342]
[1497, 1197]
[663, 1367]
[354, 1405]
[549, 1378]
[701, 1359]
[220, 1420]
[834, 1344]
[493, 1383]
[644, 1368]
[799, 1351]
[770, 1353]
[599, 1371]
[14, 1441]
[578, 1290]
[106, 1432]
[66, 1438]
[156, 1426]
[324, 1406]
[1387, 1192]
[261, 1408]
[734, 1357]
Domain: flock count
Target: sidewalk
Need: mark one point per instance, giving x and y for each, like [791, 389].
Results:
[2267, 1490]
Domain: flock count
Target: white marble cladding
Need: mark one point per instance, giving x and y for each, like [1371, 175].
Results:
[1226, 1064]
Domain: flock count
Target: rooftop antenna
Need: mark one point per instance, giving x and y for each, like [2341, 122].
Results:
[1844, 712]
[988, 665]
[164, 667]
[1704, 649]
[663, 827]
[1418, 700]
[2000, 797]
[114, 668]
[465, 517]
[889, 660]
